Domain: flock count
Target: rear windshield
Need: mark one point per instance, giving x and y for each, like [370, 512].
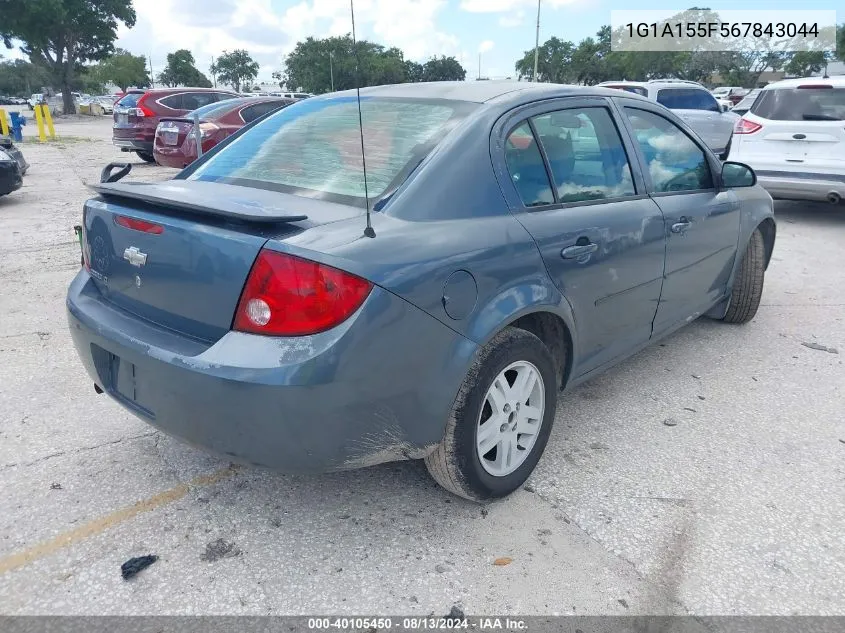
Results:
[313, 147]
[687, 99]
[801, 104]
[130, 100]
[639, 90]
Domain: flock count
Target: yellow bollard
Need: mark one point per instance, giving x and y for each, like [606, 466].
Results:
[4, 125]
[49, 119]
[39, 120]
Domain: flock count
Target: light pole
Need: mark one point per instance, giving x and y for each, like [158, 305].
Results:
[537, 41]
[331, 69]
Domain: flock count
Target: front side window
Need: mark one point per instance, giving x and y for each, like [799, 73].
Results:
[687, 99]
[674, 161]
[586, 154]
[313, 147]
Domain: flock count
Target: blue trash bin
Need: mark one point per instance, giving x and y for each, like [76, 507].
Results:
[18, 121]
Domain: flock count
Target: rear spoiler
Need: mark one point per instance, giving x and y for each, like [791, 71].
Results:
[203, 198]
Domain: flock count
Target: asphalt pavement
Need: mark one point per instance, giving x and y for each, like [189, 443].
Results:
[706, 475]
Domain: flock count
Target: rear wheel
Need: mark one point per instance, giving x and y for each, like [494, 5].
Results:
[748, 284]
[501, 420]
[147, 157]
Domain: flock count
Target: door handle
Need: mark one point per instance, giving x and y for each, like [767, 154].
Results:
[579, 250]
[682, 225]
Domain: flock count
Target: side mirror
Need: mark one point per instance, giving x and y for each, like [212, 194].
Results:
[736, 175]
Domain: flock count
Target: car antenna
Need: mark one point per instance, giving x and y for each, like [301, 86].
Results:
[368, 231]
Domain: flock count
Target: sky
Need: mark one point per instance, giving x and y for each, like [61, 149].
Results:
[499, 30]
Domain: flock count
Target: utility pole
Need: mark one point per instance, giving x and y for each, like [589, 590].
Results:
[479, 65]
[213, 74]
[152, 78]
[331, 69]
[537, 41]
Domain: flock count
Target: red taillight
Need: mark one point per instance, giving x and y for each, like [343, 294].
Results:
[138, 225]
[289, 296]
[744, 126]
[142, 110]
[86, 252]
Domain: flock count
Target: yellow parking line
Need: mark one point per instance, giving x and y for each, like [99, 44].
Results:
[102, 524]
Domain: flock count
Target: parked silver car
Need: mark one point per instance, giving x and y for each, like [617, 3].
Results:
[693, 103]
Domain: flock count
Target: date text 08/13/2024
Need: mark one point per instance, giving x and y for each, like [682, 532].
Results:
[417, 623]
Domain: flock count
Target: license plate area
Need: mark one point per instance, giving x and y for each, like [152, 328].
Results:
[119, 378]
[169, 137]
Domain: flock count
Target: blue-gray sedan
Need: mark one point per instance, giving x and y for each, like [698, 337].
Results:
[524, 237]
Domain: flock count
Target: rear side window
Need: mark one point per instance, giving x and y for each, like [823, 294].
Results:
[687, 99]
[174, 102]
[526, 168]
[586, 155]
[801, 104]
[250, 113]
[130, 100]
[313, 148]
[194, 100]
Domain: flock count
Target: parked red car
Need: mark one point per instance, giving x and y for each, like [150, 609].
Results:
[175, 143]
[137, 114]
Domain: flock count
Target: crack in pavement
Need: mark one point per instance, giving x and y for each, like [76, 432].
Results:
[672, 595]
[76, 451]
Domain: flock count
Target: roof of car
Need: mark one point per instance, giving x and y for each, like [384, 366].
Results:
[479, 91]
[837, 81]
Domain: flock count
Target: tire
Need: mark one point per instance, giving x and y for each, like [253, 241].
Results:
[456, 463]
[748, 284]
[147, 157]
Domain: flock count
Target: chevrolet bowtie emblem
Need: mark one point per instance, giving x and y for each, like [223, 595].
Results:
[134, 256]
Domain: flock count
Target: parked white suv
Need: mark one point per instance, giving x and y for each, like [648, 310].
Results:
[693, 103]
[794, 138]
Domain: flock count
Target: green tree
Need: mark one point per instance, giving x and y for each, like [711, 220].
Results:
[181, 71]
[313, 62]
[22, 78]
[805, 63]
[413, 70]
[62, 34]
[554, 62]
[442, 69]
[235, 69]
[124, 69]
[840, 42]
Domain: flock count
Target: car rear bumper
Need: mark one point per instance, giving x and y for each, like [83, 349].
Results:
[10, 178]
[801, 186]
[377, 388]
[132, 145]
[171, 157]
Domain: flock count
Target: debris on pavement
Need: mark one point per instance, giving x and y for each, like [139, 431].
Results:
[529, 488]
[623, 602]
[501, 562]
[670, 422]
[55, 486]
[456, 613]
[440, 568]
[136, 565]
[218, 549]
[821, 348]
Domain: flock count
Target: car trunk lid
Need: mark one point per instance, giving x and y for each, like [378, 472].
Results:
[172, 132]
[178, 253]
